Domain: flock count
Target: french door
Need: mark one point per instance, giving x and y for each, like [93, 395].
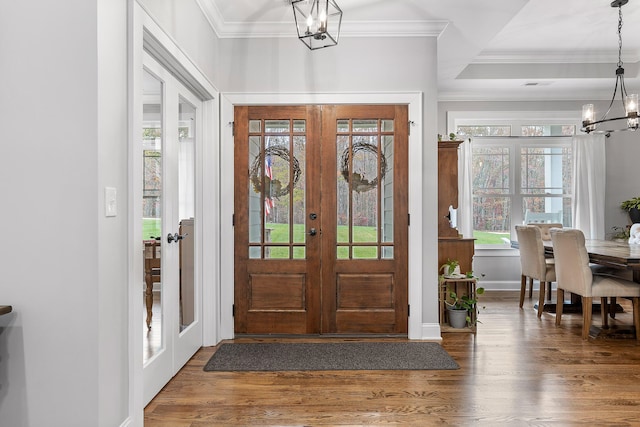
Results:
[172, 117]
[321, 219]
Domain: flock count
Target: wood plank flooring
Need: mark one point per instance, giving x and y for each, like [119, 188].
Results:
[517, 370]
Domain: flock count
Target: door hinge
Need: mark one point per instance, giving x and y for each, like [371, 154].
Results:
[233, 220]
[408, 310]
[233, 129]
[408, 219]
[233, 310]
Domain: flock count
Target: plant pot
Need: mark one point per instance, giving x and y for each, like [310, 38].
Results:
[634, 214]
[452, 273]
[457, 318]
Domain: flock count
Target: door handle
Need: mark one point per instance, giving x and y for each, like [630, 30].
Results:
[313, 232]
[175, 237]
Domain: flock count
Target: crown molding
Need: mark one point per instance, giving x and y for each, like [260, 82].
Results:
[554, 57]
[225, 30]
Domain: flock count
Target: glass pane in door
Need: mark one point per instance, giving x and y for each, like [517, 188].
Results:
[186, 209]
[277, 158]
[152, 213]
[365, 199]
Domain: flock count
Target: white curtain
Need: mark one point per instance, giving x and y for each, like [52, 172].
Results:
[465, 195]
[589, 184]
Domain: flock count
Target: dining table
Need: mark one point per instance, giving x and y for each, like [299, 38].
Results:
[609, 253]
[615, 255]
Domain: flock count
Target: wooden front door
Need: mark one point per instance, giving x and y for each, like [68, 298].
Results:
[321, 219]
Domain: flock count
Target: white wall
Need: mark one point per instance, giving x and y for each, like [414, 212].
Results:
[622, 151]
[63, 263]
[111, 166]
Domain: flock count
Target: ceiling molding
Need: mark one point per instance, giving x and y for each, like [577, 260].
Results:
[393, 29]
[227, 30]
[230, 30]
[554, 57]
[538, 71]
[523, 95]
[212, 14]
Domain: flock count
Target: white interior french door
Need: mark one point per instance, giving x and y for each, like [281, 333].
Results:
[172, 120]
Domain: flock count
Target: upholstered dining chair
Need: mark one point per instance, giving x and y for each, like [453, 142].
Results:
[534, 264]
[575, 275]
[545, 234]
[545, 229]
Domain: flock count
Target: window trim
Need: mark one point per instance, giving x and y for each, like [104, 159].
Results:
[515, 119]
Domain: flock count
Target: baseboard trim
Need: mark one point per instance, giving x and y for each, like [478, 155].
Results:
[431, 332]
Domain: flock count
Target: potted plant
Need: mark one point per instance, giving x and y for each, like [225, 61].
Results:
[460, 308]
[451, 268]
[620, 234]
[633, 207]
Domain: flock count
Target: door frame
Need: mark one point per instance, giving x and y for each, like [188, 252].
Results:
[415, 103]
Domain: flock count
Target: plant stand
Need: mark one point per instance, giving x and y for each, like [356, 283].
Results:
[462, 286]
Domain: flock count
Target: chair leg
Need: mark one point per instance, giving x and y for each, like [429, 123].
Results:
[530, 287]
[559, 305]
[541, 299]
[523, 289]
[586, 315]
[604, 312]
[636, 316]
[612, 307]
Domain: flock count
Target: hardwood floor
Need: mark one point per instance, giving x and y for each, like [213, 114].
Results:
[517, 370]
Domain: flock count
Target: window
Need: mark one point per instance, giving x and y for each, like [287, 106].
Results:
[519, 178]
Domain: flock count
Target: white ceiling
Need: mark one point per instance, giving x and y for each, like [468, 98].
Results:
[487, 49]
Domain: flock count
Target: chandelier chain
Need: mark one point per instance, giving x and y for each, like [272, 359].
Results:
[620, 36]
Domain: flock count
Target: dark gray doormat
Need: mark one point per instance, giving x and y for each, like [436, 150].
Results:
[330, 356]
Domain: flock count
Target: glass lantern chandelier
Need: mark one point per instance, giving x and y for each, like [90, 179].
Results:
[318, 22]
[629, 101]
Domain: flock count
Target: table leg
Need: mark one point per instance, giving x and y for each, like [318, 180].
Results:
[149, 295]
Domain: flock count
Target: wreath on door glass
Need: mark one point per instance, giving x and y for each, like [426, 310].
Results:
[274, 187]
[358, 182]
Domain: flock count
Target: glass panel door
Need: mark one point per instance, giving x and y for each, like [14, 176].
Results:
[186, 209]
[171, 116]
[152, 126]
[187, 325]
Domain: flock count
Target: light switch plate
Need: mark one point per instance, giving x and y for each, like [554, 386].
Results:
[110, 202]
